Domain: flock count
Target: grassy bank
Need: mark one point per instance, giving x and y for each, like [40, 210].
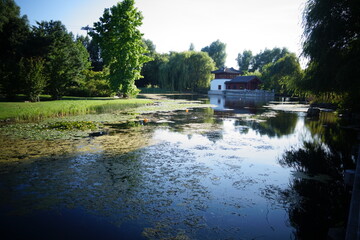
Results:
[23, 111]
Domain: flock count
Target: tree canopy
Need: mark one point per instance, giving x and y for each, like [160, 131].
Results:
[283, 75]
[217, 51]
[278, 69]
[244, 60]
[186, 71]
[14, 30]
[332, 45]
[121, 44]
[65, 58]
[267, 56]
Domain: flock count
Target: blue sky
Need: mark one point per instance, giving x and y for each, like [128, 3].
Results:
[174, 24]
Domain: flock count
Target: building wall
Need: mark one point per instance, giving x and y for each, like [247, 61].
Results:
[214, 84]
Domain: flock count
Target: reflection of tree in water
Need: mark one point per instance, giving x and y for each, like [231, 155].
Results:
[245, 105]
[157, 187]
[282, 124]
[316, 199]
[328, 129]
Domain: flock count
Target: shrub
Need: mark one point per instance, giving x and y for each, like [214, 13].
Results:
[33, 77]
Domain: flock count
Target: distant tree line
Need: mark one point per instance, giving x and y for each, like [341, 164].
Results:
[278, 69]
[179, 71]
[46, 58]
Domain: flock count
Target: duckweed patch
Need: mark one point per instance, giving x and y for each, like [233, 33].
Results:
[78, 125]
[49, 130]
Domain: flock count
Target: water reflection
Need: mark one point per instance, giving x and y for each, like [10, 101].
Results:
[341, 140]
[281, 124]
[187, 175]
[316, 199]
[242, 105]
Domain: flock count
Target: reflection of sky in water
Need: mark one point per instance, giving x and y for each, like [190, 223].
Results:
[239, 166]
[204, 185]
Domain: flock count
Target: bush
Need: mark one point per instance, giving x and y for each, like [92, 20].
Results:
[95, 84]
[33, 77]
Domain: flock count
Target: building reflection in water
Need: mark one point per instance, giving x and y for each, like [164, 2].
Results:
[237, 104]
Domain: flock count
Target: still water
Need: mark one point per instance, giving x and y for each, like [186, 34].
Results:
[238, 170]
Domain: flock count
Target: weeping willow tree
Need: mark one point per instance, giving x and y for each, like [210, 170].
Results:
[332, 44]
[186, 71]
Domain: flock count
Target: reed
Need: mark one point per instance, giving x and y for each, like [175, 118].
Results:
[28, 111]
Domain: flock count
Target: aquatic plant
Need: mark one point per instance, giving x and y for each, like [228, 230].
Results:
[68, 125]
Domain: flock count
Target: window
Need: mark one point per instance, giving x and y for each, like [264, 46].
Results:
[219, 87]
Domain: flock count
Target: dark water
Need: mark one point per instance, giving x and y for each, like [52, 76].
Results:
[235, 171]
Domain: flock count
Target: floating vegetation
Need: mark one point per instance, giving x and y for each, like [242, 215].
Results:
[156, 173]
[49, 130]
[67, 125]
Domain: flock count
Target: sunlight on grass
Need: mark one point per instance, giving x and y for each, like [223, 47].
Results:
[22, 111]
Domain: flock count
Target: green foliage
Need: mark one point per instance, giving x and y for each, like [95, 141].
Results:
[121, 45]
[20, 111]
[33, 76]
[217, 51]
[283, 75]
[256, 73]
[66, 59]
[151, 69]
[150, 47]
[14, 31]
[332, 44]
[72, 125]
[244, 60]
[278, 69]
[94, 51]
[265, 57]
[186, 71]
[94, 84]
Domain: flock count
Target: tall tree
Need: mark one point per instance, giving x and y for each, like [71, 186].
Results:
[33, 75]
[283, 75]
[14, 30]
[66, 59]
[94, 50]
[121, 44]
[244, 59]
[150, 70]
[187, 71]
[200, 67]
[217, 51]
[150, 47]
[267, 56]
[332, 44]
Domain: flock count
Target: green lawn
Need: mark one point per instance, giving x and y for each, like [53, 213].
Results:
[21, 111]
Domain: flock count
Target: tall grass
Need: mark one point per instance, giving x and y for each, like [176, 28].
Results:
[23, 111]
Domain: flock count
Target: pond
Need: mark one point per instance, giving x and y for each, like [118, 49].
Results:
[242, 169]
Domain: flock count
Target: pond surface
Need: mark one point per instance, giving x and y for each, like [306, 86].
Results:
[234, 171]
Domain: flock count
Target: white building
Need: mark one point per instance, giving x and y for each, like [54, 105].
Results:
[217, 86]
